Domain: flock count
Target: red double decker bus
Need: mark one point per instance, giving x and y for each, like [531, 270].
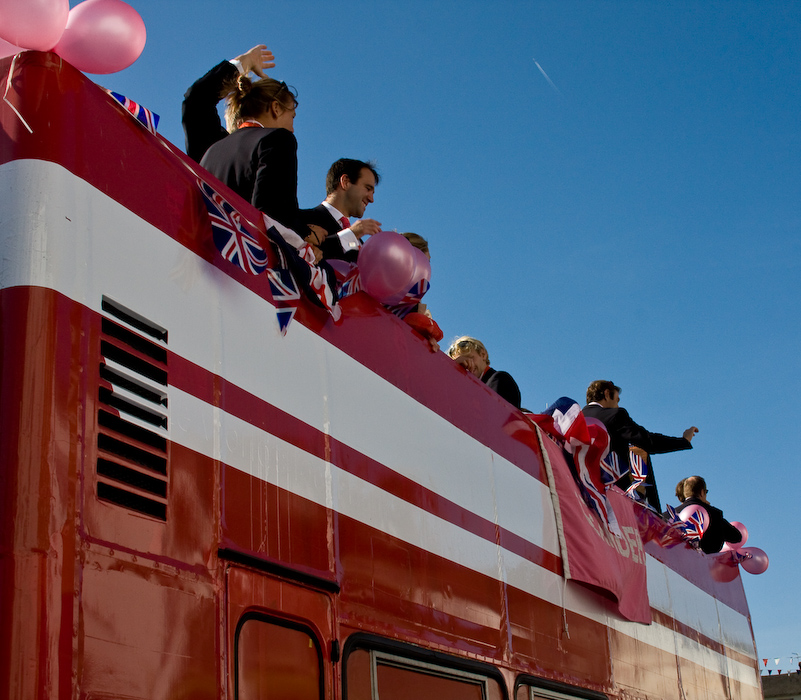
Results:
[195, 506]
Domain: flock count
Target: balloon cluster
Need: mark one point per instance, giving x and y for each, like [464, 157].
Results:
[95, 36]
[752, 559]
[389, 266]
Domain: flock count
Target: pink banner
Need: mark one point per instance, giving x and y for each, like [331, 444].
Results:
[591, 554]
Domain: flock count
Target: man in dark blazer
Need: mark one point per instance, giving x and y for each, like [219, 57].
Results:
[603, 399]
[718, 529]
[471, 354]
[349, 187]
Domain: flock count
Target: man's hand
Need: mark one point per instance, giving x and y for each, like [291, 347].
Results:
[365, 227]
[638, 451]
[689, 433]
[468, 364]
[316, 236]
[314, 239]
[258, 60]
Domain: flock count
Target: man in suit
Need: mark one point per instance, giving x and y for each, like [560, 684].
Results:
[471, 354]
[603, 399]
[349, 187]
[718, 529]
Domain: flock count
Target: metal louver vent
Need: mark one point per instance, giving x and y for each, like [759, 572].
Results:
[132, 415]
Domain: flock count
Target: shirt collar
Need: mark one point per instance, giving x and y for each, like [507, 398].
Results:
[333, 211]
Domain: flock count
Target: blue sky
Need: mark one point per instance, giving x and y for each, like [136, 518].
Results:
[636, 220]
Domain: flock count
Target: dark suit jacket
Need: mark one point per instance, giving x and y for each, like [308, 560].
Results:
[331, 246]
[202, 126]
[503, 384]
[260, 165]
[718, 531]
[623, 431]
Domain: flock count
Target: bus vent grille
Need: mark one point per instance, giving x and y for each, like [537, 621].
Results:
[132, 415]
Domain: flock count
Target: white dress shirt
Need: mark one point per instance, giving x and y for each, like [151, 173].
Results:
[346, 236]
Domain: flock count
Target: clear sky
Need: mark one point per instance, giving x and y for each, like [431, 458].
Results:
[634, 217]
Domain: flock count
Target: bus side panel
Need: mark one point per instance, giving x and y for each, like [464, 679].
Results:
[40, 456]
[96, 600]
[148, 630]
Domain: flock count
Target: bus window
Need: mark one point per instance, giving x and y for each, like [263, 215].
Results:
[372, 675]
[531, 692]
[276, 662]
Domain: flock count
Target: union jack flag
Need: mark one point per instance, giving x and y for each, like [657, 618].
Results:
[610, 468]
[235, 243]
[148, 119]
[638, 470]
[673, 516]
[411, 299]
[587, 440]
[570, 420]
[588, 459]
[695, 524]
[666, 537]
[286, 296]
[350, 284]
[309, 278]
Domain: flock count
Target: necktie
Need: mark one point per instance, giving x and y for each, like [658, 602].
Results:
[345, 221]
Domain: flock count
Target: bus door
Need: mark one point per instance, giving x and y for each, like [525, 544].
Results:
[280, 637]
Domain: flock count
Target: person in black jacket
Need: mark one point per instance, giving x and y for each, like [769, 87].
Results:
[471, 354]
[603, 399]
[718, 530]
[350, 185]
[258, 158]
[202, 125]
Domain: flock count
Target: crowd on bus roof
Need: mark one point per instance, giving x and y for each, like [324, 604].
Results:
[256, 156]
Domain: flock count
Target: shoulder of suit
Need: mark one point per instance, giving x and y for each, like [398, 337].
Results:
[270, 139]
[284, 136]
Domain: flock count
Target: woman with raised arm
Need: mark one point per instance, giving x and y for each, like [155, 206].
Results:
[257, 156]
[201, 122]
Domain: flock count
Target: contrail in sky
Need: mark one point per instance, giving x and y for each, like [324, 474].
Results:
[545, 75]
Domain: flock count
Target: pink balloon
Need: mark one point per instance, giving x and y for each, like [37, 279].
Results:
[7, 49]
[724, 567]
[422, 266]
[758, 563]
[33, 24]
[685, 514]
[341, 267]
[727, 546]
[102, 36]
[386, 267]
